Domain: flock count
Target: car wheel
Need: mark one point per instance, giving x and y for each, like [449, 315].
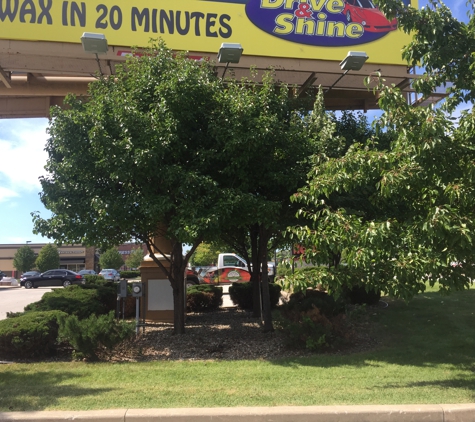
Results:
[28, 284]
[348, 16]
[66, 283]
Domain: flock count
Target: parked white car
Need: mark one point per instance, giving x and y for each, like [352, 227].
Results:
[109, 274]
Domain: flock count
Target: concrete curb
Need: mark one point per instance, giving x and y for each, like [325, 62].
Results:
[367, 413]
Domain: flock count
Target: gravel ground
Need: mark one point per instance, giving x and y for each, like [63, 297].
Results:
[228, 334]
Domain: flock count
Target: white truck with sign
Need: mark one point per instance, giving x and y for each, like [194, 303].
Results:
[232, 268]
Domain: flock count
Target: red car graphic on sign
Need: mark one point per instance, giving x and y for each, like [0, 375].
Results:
[368, 15]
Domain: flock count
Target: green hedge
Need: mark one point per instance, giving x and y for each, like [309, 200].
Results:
[241, 295]
[312, 320]
[129, 274]
[82, 301]
[305, 301]
[203, 298]
[94, 279]
[95, 336]
[30, 335]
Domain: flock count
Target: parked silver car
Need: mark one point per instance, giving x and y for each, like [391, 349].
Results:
[109, 274]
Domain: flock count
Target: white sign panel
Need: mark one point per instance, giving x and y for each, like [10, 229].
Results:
[159, 295]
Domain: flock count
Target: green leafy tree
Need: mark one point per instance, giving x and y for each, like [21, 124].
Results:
[111, 258]
[144, 135]
[24, 259]
[442, 44]
[135, 258]
[169, 163]
[265, 147]
[421, 230]
[48, 258]
[205, 254]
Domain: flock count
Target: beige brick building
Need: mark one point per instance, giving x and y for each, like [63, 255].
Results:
[72, 257]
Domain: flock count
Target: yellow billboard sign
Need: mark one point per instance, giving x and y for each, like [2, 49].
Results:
[306, 29]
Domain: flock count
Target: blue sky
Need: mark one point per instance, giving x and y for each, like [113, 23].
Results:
[22, 160]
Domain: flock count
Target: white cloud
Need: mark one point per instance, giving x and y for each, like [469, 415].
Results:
[22, 161]
[6, 194]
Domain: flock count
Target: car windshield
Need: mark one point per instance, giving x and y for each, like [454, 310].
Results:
[366, 4]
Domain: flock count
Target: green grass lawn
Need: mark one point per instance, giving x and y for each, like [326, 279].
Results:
[427, 355]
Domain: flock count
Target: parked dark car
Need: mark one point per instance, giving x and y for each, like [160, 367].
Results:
[2, 274]
[29, 274]
[52, 278]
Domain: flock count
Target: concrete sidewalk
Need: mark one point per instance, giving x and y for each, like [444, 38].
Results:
[370, 413]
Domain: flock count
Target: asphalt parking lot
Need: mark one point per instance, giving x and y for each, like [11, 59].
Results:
[14, 299]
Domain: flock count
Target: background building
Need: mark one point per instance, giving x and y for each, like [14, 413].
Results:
[72, 257]
[126, 249]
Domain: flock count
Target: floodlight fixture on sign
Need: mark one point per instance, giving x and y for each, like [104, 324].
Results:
[229, 53]
[354, 60]
[94, 43]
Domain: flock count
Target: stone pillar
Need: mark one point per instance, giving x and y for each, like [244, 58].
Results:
[90, 261]
[159, 292]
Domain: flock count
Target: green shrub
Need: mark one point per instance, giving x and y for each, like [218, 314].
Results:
[312, 319]
[203, 298]
[304, 301]
[310, 329]
[81, 301]
[358, 295]
[241, 295]
[94, 279]
[129, 274]
[106, 294]
[14, 314]
[284, 269]
[31, 335]
[95, 336]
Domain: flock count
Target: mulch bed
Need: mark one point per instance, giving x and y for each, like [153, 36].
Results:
[230, 334]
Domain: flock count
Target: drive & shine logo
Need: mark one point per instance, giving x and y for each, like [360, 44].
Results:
[331, 23]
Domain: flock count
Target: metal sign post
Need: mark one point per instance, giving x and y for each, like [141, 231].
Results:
[137, 292]
[121, 295]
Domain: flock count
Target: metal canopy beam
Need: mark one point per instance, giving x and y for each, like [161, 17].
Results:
[5, 78]
[47, 71]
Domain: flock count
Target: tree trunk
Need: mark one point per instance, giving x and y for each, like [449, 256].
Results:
[179, 308]
[255, 276]
[177, 280]
[335, 259]
[175, 271]
[266, 312]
